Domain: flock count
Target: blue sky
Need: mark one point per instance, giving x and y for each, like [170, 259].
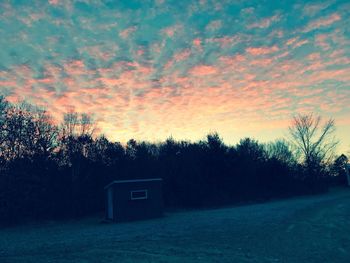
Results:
[154, 69]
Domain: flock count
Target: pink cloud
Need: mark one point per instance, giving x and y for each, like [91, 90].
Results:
[265, 23]
[264, 62]
[296, 42]
[197, 42]
[23, 71]
[202, 70]
[76, 68]
[313, 9]
[214, 25]
[126, 32]
[140, 52]
[233, 60]
[180, 56]
[224, 41]
[45, 81]
[53, 2]
[291, 41]
[322, 41]
[276, 33]
[257, 51]
[337, 53]
[100, 52]
[300, 43]
[170, 31]
[314, 56]
[322, 22]
[7, 83]
[248, 10]
[339, 74]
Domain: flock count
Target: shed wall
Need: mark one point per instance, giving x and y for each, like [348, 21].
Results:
[126, 209]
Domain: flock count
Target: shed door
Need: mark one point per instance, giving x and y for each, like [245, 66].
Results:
[110, 203]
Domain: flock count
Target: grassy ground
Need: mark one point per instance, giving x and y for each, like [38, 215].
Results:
[306, 229]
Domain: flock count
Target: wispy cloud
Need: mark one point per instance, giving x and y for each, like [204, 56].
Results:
[256, 51]
[265, 23]
[322, 22]
[126, 32]
[202, 70]
[314, 8]
[53, 2]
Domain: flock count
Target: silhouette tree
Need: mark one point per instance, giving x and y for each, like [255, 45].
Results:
[251, 149]
[250, 157]
[70, 124]
[87, 125]
[3, 119]
[338, 169]
[59, 171]
[280, 150]
[313, 141]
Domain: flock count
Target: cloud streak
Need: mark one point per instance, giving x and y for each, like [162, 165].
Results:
[322, 22]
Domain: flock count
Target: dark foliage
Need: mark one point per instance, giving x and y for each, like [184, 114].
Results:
[48, 171]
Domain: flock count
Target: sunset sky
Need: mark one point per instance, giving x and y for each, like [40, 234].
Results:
[154, 69]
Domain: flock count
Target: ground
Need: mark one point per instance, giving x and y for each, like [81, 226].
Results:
[305, 229]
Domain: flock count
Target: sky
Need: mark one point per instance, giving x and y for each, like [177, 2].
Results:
[149, 70]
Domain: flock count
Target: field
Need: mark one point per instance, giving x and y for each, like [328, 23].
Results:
[304, 229]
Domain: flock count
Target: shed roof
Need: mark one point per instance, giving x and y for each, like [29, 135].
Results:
[132, 181]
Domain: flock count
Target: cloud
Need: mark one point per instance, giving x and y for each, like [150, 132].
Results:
[103, 52]
[202, 70]
[8, 84]
[321, 40]
[264, 23]
[197, 43]
[178, 57]
[53, 2]
[170, 31]
[322, 22]
[300, 43]
[314, 9]
[126, 32]
[225, 41]
[257, 51]
[214, 25]
[182, 68]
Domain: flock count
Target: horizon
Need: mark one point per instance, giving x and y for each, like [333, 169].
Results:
[158, 69]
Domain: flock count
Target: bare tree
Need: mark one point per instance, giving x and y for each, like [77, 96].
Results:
[70, 123]
[314, 141]
[17, 131]
[25, 130]
[46, 132]
[86, 124]
[75, 124]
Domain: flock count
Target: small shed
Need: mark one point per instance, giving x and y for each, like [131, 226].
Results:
[128, 200]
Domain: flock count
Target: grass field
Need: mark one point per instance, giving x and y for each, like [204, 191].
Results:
[305, 229]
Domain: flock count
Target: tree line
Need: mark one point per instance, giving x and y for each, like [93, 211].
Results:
[50, 170]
